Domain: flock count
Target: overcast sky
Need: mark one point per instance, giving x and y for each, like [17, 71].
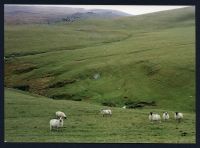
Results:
[131, 9]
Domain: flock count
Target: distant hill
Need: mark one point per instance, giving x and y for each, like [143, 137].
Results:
[19, 14]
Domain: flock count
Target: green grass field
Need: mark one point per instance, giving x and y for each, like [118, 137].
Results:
[28, 116]
[145, 58]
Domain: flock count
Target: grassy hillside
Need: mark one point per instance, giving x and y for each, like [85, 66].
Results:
[27, 120]
[34, 39]
[146, 62]
[147, 58]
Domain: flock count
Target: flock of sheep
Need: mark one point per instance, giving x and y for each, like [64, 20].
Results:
[59, 122]
[153, 117]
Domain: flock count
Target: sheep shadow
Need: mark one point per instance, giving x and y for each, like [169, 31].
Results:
[58, 130]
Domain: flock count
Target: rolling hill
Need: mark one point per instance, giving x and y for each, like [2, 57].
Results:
[145, 62]
[35, 14]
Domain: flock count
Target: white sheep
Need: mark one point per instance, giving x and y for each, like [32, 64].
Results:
[165, 116]
[61, 114]
[56, 123]
[154, 117]
[178, 116]
[106, 112]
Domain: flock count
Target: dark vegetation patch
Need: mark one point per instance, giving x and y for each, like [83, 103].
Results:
[139, 104]
[61, 96]
[24, 87]
[72, 47]
[108, 103]
[24, 68]
[84, 75]
[66, 97]
[48, 75]
[61, 83]
[184, 133]
[17, 67]
[40, 83]
[20, 54]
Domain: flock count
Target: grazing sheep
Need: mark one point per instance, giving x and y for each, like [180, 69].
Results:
[165, 116]
[106, 112]
[61, 114]
[178, 116]
[56, 123]
[154, 117]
